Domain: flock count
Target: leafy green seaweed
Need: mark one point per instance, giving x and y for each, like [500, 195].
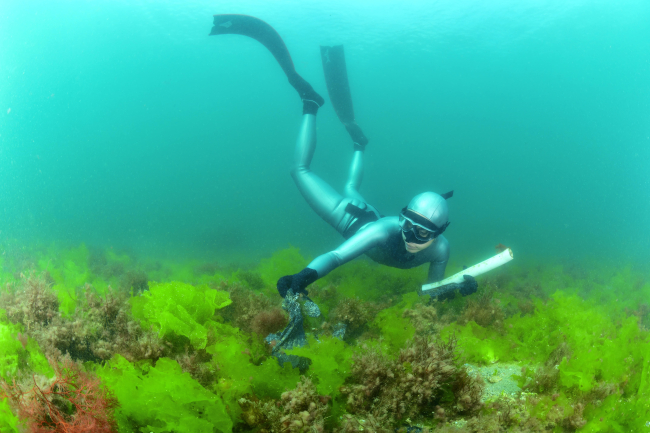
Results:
[163, 399]
[181, 309]
[330, 362]
[16, 354]
[9, 423]
[394, 327]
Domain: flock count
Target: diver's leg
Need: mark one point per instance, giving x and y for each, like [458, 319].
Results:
[323, 199]
[355, 176]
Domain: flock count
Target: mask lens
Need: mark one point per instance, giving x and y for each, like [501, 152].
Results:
[418, 231]
[405, 224]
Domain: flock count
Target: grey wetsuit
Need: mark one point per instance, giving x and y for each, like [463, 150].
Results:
[380, 238]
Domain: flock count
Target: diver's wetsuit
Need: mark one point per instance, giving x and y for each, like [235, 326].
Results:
[366, 231]
[361, 224]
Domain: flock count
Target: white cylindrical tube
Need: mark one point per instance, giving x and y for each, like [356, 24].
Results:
[485, 266]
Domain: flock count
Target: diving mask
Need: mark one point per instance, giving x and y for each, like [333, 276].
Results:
[418, 229]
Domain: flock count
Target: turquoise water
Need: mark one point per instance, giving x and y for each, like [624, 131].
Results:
[123, 124]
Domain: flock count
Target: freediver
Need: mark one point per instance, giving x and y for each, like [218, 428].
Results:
[413, 238]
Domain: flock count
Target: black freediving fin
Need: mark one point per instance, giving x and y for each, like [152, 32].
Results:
[262, 32]
[338, 87]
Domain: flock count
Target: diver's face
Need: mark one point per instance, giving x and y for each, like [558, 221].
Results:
[414, 248]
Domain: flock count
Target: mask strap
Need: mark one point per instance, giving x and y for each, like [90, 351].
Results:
[447, 195]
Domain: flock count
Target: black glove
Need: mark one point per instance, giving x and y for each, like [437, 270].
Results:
[448, 291]
[297, 282]
[468, 286]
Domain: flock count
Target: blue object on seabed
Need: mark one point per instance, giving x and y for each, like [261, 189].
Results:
[292, 336]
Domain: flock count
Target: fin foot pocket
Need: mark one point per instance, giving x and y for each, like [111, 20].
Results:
[304, 89]
[358, 138]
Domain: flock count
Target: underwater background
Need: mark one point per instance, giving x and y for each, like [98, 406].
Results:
[145, 163]
[130, 127]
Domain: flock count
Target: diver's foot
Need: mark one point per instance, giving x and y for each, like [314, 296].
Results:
[357, 136]
[307, 93]
[310, 106]
[310, 95]
[311, 101]
[357, 146]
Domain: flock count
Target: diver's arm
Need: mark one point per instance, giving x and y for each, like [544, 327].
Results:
[439, 254]
[365, 239]
[436, 271]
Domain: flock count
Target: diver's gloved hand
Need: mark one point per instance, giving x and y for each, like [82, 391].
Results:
[295, 285]
[448, 291]
[468, 286]
[297, 282]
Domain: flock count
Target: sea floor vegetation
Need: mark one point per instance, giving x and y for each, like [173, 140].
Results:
[94, 340]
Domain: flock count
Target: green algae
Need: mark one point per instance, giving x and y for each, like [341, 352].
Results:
[284, 262]
[395, 329]
[18, 351]
[363, 280]
[591, 325]
[330, 362]
[600, 344]
[11, 350]
[9, 423]
[69, 271]
[603, 348]
[233, 358]
[180, 309]
[163, 399]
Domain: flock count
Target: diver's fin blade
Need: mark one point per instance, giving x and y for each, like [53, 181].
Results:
[336, 77]
[245, 25]
[338, 87]
[262, 32]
